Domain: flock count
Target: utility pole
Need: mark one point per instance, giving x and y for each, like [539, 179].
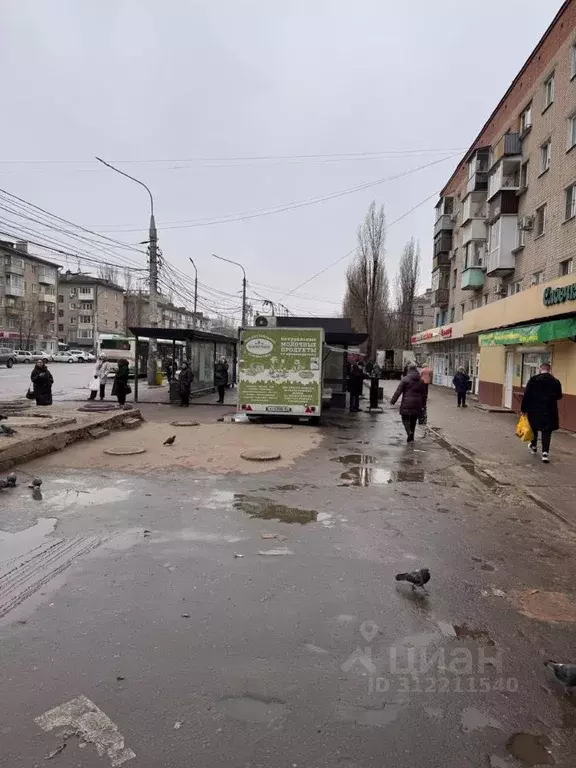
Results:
[244, 284]
[195, 289]
[153, 266]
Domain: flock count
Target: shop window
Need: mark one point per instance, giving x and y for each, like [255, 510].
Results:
[531, 363]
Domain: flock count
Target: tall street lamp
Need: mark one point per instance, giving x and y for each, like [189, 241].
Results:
[221, 258]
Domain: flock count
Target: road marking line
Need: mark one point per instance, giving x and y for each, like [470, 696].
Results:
[91, 724]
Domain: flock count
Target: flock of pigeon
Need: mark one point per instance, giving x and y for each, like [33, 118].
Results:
[564, 673]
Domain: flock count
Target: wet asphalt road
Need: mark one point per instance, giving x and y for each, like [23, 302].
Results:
[314, 656]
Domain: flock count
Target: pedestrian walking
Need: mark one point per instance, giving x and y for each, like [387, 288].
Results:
[414, 396]
[540, 405]
[355, 386]
[121, 388]
[98, 383]
[221, 378]
[42, 381]
[185, 378]
[461, 381]
[426, 374]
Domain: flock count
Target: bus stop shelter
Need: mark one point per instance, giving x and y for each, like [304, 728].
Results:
[202, 351]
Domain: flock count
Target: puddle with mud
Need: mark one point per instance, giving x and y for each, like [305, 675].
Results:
[465, 632]
[265, 509]
[530, 749]
[364, 476]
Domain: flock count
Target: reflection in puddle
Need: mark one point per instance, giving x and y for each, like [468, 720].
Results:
[355, 458]
[367, 475]
[530, 749]
[265, 509]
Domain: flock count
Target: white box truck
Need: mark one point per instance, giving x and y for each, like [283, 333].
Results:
[280, 372]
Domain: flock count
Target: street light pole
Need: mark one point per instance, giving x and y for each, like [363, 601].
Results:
[221, 258]
[153, 258]
[195, 288]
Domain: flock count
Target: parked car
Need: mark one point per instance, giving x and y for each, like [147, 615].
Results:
[64, 357]
[82, 356]
[42, 354]
[23, 357]
[7, 357]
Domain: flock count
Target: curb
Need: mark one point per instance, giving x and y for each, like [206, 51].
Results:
[40, 445]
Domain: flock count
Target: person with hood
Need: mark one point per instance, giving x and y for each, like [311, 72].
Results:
[42, 381]
[461, 381]
[414, 394]
[101, 371]
[221, 378]
[355, 386]
[426, 374]
[185, 378]
[121, 388]
[540, 405]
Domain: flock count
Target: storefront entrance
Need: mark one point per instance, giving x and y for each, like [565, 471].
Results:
[508, 381]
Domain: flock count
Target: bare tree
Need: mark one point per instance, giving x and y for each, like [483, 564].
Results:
[128, 282]
[108, 272]
[29, 322]
[405, 288]
[366, 298]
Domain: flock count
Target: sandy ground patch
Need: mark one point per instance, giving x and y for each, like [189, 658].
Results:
[212, 447]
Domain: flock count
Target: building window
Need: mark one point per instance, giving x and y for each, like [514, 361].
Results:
[524, 176]
[537, 278]
[531, 363]
[514, 288]
[540, 226]
[484, 299]
[526, 119]
[452, 314]
[34, 288]
[549, 89]
[545, 156]
[572, 132]
[115, 323]
[85, 333]
[60, 328]
[60, 313]
[520, 236]
[11, 322]
[573, 62]
[85, 291]
[566, 267]
[462, 310]
[72, 321]
[85, 319]
[72, 305]
[570, 210]
[454, 278]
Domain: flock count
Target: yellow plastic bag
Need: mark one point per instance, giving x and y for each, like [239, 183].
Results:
[524, 430]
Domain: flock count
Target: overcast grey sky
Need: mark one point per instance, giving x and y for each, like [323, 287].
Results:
[185, 79]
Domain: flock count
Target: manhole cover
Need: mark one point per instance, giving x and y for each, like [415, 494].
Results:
[260, 455]
[124, 451]
[97, 408]
[185, 423]
[278, 426]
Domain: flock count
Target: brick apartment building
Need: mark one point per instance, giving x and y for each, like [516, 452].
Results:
[138, 313]
[87, 307]
[27, 299]
[503, 278]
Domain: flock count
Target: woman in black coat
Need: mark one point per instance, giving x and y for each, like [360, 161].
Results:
[355, 386]
[414, 394]
[42, 381]
[540, 404]
[185, 378]
[461, 381]
[121, 388]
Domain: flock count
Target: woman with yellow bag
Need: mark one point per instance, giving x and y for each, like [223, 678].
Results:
[540, 405]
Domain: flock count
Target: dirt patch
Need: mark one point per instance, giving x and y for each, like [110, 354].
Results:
[212, 447]
[546, 606]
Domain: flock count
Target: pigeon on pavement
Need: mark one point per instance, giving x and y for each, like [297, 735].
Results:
[6, 430]
[36, 483]
[564, 673]
[415, 578]
[170, 440]
[12, 480]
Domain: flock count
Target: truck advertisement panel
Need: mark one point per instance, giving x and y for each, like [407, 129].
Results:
[280, 370]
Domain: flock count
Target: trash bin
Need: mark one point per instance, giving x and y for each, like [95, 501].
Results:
[174, 392]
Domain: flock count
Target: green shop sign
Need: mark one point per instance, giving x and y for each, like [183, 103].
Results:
[559, 295]
[530, 334]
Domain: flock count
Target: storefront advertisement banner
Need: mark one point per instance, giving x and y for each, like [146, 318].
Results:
[530, 334]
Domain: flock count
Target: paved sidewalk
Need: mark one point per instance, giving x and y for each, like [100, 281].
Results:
[489, 440]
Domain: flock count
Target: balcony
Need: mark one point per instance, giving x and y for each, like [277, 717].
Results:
[474, 207]
[13, 307]
[85, 294]
[49, 298]
[505, 202]
[443, 243]
[441, 261]
[500, 260]
[472, 279]
[509, 145]
[14, 289]
[505, 177]
[14, 265]
[443, 222]
[475, 229]
[440, 297]
[46, 278]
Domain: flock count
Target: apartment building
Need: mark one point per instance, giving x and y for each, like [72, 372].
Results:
[170, 316]
[27, 299]
[87, 307]
[423, 313]
[503, 280]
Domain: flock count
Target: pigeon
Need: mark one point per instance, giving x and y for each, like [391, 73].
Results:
[416, 578]
[564, 673]
[11, 479]
[3, 417]
[6, 430]
[36, 483]
[170, 440]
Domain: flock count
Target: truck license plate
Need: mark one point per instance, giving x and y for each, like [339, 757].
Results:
[279, 408]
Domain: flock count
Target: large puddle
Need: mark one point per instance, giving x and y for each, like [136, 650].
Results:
[364, 476]
[265, 509]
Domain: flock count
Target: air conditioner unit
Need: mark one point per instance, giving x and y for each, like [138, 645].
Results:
[500, 290]
[265, 321]
[527, 223]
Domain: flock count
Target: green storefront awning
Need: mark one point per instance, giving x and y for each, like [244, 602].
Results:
[530, 334]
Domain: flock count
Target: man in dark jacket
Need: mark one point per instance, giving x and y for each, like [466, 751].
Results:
[355, 386]
[540, 405]
[221, 378]
[461, 381]
[414, 394]
[185, 378]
